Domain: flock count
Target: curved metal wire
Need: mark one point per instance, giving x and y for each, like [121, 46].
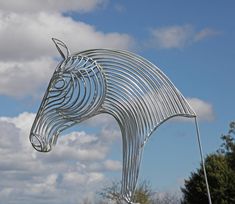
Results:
[128, 87]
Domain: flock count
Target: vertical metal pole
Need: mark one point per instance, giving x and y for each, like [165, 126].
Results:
[203, 162]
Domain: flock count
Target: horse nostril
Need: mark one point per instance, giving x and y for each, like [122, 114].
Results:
[36, 143]
[39, 144]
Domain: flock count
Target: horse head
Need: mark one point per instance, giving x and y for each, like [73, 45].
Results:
[75, 93]
[128, 87]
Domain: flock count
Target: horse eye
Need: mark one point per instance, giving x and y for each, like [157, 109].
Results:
[59, 84]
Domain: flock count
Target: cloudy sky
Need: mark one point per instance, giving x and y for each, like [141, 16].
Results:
[191, 42]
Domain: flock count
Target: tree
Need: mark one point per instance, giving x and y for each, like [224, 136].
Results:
[228, 145]
[112, 193]
[220, 173]
[143, 193]
[221, 179]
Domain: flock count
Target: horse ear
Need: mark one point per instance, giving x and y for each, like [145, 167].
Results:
[62, 48]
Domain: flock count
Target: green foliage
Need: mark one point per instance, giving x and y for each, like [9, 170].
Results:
[142, 194]
[112, 193]
[220, 173]
[228, 146]
[221, 179]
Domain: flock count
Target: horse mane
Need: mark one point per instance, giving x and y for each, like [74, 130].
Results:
[140, 97]
[138, 90]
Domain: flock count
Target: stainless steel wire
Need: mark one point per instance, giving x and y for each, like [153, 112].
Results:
[202, 161]
[128, 87]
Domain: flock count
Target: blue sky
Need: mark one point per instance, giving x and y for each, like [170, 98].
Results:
[192, 42]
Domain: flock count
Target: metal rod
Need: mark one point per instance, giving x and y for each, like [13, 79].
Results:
[202, 160]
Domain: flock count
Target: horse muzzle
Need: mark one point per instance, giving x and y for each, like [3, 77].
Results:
[39, 143]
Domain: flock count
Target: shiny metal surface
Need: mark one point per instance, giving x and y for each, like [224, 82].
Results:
[128, 87]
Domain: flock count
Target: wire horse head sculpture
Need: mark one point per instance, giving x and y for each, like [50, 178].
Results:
[128, 87]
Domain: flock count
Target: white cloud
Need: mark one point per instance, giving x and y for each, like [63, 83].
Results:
[20, 78]
[173, 36]
[73, 179]
[110, 131]
[102, 120]
[204, 33]
[27, 53]
[203, 109]
[30, 35]
[113, 165]
[178, 36]
[119, 7]
[63, 175]
[21, 125]
[51, 5]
